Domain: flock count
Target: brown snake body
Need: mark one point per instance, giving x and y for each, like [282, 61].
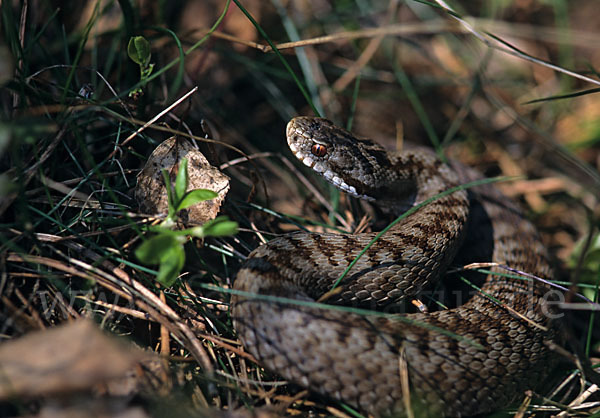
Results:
[495, 346]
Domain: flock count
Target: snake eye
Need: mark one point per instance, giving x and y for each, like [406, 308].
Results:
[319, 150]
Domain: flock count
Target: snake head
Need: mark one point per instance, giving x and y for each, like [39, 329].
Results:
[327, 149]
[354, 165]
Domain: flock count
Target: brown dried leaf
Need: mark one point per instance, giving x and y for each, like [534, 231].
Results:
[151, 192]
[64, 359]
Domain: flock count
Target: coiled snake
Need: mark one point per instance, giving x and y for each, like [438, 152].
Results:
[494, 346]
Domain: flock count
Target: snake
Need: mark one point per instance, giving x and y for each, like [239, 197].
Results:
[478, 356]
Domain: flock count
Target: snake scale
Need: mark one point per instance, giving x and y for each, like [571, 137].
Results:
[494, 347]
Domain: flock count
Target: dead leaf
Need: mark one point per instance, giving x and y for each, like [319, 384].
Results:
[151, 192]
[63, 359]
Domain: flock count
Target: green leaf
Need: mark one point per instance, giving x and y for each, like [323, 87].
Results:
[171, 264]
[153, 250]
[181, 182]
[138, 50]
[194, 196]
[219, 227]
[146, 71]
[167, 251]
[170, 193]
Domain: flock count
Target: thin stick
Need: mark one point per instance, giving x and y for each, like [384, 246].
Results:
[154, 119]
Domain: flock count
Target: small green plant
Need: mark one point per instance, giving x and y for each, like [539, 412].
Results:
[166, 247]
[138, 50]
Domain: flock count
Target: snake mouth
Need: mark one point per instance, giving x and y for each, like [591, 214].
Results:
[320, 168]
[311, 162]
[306, 159]
[294, 139]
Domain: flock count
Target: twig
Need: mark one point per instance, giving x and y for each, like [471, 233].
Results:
[154, 119]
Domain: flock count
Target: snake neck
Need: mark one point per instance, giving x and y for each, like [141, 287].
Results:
[366, 170]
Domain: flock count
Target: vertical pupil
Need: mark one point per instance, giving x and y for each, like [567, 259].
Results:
[318, 150]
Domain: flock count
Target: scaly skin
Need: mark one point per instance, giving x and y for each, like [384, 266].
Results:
[489, 356]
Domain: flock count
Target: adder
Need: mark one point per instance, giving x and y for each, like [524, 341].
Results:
[470, 359]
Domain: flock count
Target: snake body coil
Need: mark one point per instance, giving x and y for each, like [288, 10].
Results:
[471, 359]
